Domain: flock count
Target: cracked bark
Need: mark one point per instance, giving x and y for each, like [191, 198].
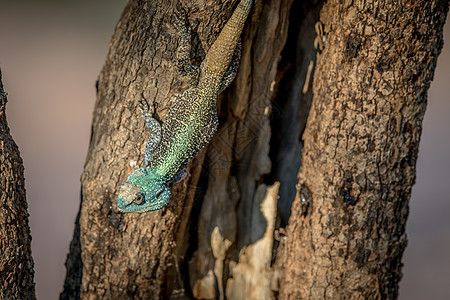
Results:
[360, 149]
[16, 262]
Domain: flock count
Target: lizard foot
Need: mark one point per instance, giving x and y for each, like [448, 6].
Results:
[180, 175]
[145, 109]
[183, 65]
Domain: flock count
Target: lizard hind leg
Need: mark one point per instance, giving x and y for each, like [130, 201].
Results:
[184, 65]
[231, 72]
[154, 126]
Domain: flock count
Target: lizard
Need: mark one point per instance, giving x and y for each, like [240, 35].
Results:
[190, 122]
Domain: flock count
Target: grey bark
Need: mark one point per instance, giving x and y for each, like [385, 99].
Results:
[16, 262]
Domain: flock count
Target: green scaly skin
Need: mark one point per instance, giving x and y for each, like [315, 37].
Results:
[190, 123]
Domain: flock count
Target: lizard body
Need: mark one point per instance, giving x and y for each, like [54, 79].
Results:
[191, 121]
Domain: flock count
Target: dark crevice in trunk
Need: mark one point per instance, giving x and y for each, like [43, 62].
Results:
[291, 103]
[200, 191]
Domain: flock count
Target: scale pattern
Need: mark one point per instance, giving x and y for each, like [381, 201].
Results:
[191, 121]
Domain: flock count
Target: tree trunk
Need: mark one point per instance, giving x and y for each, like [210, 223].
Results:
[346, 234]
[220, 234]
[16, 262]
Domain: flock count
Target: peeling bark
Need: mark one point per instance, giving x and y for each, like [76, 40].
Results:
[360, 149]
[16, 262]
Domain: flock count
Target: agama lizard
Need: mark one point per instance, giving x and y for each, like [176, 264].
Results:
[191, 121]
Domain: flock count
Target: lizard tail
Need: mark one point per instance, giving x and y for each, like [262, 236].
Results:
[221, 52]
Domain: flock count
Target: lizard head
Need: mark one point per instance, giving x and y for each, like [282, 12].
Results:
[142, 192]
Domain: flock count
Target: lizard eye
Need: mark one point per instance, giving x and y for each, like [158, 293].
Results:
[139, 199]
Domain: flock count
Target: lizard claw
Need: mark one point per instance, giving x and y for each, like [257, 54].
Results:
[145, 109]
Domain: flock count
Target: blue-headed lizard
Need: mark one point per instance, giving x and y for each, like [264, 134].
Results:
[191, 121]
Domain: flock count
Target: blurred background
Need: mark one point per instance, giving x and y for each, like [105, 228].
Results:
[51, 53]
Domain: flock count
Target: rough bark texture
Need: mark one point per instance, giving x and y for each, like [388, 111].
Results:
[16, 262]
[346, 233]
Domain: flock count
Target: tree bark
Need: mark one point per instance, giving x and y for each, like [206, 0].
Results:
[16, 262]
[221, 233]
[346, 233]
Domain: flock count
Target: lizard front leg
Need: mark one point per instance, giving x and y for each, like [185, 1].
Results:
[155, 137]
[180, 176]
[154, 126]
